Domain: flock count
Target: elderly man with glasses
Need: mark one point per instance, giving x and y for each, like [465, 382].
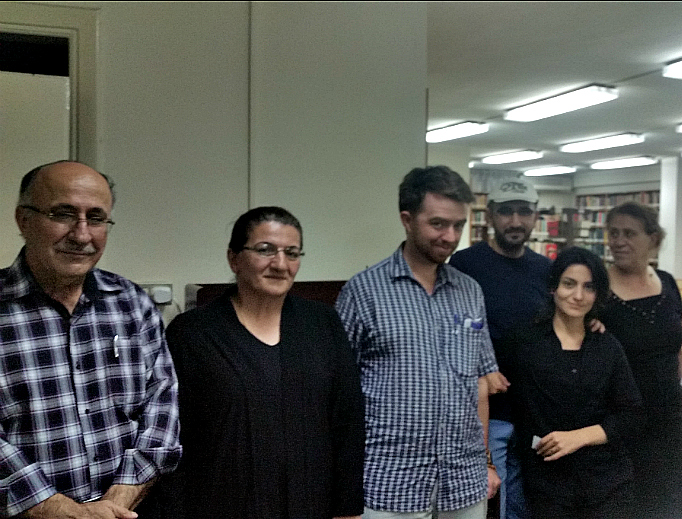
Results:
[88, 392]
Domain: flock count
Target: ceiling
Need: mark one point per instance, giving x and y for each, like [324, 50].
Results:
[487, 57]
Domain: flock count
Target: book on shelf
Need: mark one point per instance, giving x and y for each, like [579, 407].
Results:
[478, 217]
[553, 228]
[480, 199]
[548, 249]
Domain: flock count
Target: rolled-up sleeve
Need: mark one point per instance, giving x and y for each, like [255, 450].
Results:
[157, 449]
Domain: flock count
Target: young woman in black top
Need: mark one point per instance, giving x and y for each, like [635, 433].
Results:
[574, 400]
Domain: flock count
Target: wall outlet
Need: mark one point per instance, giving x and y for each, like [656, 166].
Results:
[160, 293]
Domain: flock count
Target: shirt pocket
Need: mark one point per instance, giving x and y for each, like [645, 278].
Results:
[127, 377]
[466, 351]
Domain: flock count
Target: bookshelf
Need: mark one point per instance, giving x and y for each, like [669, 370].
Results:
[589, 220]
[478, 227]
[550, 234]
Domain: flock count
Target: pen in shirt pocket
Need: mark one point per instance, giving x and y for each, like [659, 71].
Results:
[474, 324]
[115, 344]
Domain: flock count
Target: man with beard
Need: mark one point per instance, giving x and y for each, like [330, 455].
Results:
[88, 393]
[418, 330]
[514, 283]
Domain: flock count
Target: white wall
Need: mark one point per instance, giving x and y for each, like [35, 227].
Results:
[643, 178]
[324, 114]
[173, 118]
[337, 119]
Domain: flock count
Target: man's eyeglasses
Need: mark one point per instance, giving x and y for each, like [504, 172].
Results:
[506, 210]
[269, 250]
[70, 218]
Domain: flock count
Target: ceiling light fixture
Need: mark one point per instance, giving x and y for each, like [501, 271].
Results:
[456, 131]
[673, 70]
[623, 139]
[678, 128]
[550, 170]
[624, 163]
[516, 156]
[568, 102]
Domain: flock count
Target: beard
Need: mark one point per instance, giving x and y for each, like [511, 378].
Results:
[435, 254]
[514, 245]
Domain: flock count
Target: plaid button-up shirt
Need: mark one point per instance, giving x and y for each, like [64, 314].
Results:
[420, 356]
[87, 400]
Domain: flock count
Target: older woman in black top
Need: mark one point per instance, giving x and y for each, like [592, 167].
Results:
[645, 313]
[574, 400]
[271, 409]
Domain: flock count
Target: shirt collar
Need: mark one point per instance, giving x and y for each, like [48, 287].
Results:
[400, 269]
[19, 282]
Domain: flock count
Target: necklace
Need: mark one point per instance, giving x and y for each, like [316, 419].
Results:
[648, 315]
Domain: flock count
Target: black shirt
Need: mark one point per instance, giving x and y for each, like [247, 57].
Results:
[650, 330]
[557, 390]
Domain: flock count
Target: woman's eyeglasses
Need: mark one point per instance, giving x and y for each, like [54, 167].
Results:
[269, 250]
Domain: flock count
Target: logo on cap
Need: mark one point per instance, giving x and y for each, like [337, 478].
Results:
[513, 187]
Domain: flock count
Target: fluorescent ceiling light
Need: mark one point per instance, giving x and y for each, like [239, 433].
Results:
[517, 156]
[575, 100]
[678, 128]
[623, 139]
[624, 163]
[456, 131]
[673, 70]
[553, 170]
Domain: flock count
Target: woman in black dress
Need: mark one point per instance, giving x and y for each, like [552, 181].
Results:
[271, 409]
[644, 312]
[574, 400]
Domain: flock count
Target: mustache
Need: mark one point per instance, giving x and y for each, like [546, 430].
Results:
[76, 248]
[515, 229]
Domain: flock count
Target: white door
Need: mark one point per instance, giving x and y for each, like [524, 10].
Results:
[34, 130]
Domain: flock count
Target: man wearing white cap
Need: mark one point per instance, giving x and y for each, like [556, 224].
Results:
[513, 279]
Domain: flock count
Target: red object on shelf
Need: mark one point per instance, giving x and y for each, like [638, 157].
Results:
[551, 251]
[553, 227]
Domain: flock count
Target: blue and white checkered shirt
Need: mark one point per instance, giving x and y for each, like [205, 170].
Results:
[421, 356]
[78, 413]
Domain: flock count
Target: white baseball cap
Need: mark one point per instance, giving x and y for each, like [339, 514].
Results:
[513, 189]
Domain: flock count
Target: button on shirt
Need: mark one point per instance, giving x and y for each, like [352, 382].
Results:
[81, 410]
[420, 356]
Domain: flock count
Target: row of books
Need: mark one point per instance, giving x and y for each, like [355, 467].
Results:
[480, 199]
[643, 197]
[548, 224]
[592, 217]
[478, 217]
[479, 233]
[594, 233]
[545, 248]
